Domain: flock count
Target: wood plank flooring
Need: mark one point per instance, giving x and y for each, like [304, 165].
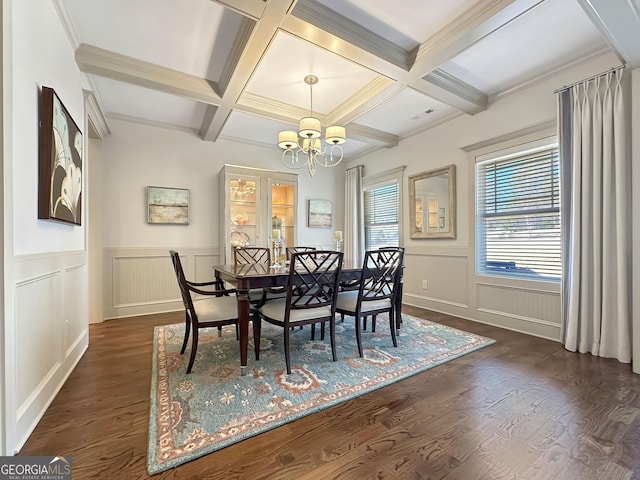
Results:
[524, 408]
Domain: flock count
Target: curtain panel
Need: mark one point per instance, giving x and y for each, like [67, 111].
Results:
[596, 216]
[354, 215]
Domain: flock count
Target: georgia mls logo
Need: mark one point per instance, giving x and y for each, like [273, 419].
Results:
[35, 468]
[63, 466]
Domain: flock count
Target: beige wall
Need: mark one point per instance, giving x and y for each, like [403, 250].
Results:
[137, 275]
[448, 266]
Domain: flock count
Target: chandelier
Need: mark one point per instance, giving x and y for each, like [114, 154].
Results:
[305, 147]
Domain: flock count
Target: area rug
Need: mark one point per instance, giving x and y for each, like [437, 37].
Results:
[213, 407]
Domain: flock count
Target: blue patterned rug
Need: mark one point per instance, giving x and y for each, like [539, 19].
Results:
[213, 407]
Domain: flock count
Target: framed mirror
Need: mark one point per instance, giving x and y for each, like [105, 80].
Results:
[432, 203]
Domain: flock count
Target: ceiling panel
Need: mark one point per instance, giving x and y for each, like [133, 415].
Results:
[149, 105]
[551, 35]
[406, 23]
[405, 112]
[280, 75]
[162, 32]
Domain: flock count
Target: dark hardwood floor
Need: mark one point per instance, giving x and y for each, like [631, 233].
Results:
[523, 408]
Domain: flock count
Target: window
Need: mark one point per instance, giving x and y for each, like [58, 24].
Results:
[518, 214]
[382, 210]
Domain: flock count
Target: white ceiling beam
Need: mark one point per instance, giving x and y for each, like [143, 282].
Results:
[249, 8]
[256, 46]
[112, 65]
[484, 18]
[371, 135]
[312, 22]
[439, 84]
[619, 23]
[342, 27]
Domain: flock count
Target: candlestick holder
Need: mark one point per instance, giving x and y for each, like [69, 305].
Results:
[338, 245]
[276, 254]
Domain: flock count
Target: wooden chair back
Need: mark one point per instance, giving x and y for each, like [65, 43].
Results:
[381, 274]
[251, 255]
[292, 250]
[313, 280]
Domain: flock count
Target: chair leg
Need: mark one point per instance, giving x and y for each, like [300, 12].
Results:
[313, 331]
[342, 317]
[364, 323]
[322, 331]
[194, 348]
[187, 330]
[287, 356]
[257, 327]
[358, 339]
[220, 331]
[373, 323]
[332, 336]
[392, 326]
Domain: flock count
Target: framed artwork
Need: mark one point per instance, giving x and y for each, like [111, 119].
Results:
[319, 214]
[59, 162]
[168, 205]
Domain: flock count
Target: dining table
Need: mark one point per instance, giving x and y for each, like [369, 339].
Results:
[257, 275]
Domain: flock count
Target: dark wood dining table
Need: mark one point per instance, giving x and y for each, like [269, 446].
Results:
[250, 276]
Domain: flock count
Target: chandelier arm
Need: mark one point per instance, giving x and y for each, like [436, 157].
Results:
[293, 162]
[328, 159]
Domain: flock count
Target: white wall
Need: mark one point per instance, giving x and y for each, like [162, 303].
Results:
[45, 275]
[448, 264]
[138, 277]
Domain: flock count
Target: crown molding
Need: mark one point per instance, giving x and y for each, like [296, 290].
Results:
[67, 24]
[151, 123]
[95, 114]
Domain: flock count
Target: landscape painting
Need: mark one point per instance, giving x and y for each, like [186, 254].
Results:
[319, 213]
[168, 205]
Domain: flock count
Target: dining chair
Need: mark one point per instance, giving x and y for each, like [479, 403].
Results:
[397, 314]
[377, 290]
[291, 250]
[311, 289]
[251, 256]
[218, 307]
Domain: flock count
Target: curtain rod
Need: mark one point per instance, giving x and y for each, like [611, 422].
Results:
[612, 69]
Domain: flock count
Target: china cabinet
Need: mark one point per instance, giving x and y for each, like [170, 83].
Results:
[256, 206]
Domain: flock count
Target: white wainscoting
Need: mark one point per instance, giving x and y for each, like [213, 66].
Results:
[51, 331]
[446, 273]
[141, 281]
[527, 307]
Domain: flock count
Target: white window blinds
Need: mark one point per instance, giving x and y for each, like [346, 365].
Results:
[381, 215]
[518, 215]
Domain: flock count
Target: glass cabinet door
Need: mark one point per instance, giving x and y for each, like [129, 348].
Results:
[253, 203]
[244, 193]
[283, 212]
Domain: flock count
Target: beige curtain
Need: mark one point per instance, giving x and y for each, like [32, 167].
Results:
[596, 216]
[354, 215]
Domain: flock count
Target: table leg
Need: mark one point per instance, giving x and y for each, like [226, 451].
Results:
[243, 321]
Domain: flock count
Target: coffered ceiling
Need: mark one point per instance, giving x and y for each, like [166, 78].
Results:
[387, 70]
